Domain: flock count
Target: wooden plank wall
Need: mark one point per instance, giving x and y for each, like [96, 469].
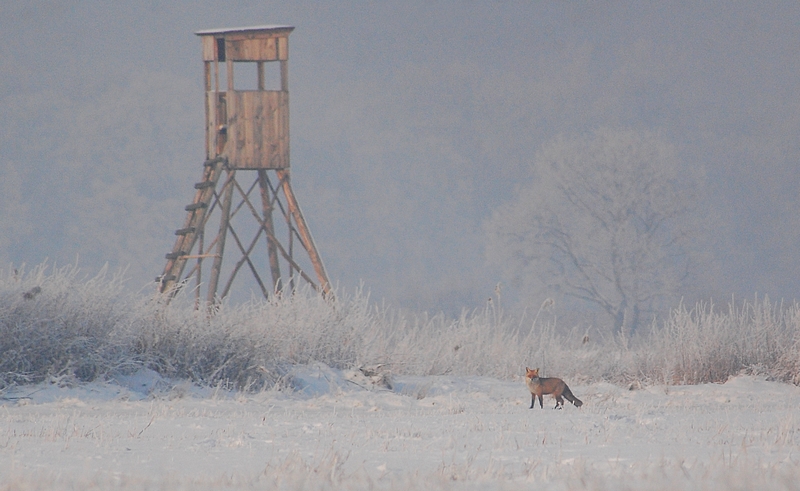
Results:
[247, 47]
[258, 130]
[256, 122]
[252, 49]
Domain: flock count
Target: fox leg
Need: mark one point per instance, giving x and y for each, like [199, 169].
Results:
[533, 400]
[559, 402]
[541, 403]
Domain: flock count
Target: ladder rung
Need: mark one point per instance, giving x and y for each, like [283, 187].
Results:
[203, 185]
[185, 231]
[195, 206]
[175, 255]
[210, 162]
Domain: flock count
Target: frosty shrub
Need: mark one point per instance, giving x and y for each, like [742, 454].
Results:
[59, 326]
[252, 345]
[710, 344]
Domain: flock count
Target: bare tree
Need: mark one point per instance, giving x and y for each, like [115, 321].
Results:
[605, 220]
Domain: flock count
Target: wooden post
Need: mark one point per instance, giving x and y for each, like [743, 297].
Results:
[269, 227]
[206, 102]
[305, 234]
[260, 70]
[199, 274]
[216, 268]
[284, 76]
[291, 229]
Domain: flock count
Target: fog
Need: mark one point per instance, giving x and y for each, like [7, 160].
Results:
[410, 123]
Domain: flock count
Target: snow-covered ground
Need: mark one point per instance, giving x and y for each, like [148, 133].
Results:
[343, 430]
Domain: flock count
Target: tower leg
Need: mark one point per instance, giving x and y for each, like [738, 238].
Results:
[216, 268]
[272, 249]
[207, 202]
[305, 234]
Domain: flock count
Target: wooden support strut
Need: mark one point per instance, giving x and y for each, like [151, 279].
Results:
[216, 268]
[272, 250]
[305, 234]
[274, 242]
[245, 252]
[206, 200]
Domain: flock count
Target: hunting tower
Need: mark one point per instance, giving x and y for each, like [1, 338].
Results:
[245, 176]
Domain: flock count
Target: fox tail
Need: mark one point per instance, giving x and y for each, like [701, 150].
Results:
[568, 395]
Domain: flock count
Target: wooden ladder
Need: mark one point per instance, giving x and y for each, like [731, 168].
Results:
[196, 214]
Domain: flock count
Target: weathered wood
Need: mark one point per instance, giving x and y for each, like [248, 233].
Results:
[194, 219]
[213, 161]
[289, 259]
[283, 48]
[229, 71]
[245, 130]
[259, 43]
[285, 76]
[195, 206]
[216, 123]
[292, 232]
[216, 71]
[241, 48]
[275, 243]
[258, 129]
[198, 275]
[209, 48]
[207, 84]
[305, 233]
[269, 228]
[245, 258]
[216, 267]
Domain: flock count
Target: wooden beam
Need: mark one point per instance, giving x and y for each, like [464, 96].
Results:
[223, 228]
[272, 252]
[284, 76]
[245, 258]
[276, 243]
[305, 234]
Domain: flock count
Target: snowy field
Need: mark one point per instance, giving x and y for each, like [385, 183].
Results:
[103, 390]
[342, 430]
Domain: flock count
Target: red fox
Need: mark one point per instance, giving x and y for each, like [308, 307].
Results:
[539, 386]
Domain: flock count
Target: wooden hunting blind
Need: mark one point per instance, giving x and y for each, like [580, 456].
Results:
[247, 133]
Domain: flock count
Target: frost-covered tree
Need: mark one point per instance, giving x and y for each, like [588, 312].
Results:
[604, 220]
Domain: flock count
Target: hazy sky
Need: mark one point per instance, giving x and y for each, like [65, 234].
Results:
[410, 122]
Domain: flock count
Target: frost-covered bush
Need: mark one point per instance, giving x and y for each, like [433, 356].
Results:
[57, 325]
[707, 344]
[250, 345]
